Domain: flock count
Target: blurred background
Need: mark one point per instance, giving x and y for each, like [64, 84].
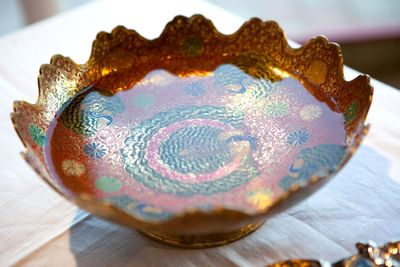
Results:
[367, 30]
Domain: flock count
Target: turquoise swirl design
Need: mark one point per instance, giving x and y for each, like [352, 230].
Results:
[201, 161]
[250, 72]
[320, 160]
[83, 112]
[144, 210]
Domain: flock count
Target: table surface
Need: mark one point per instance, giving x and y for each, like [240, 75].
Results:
[38, 227]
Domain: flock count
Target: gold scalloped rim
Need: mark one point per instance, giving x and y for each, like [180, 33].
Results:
[192, 221]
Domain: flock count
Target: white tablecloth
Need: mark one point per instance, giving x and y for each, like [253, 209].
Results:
[40, 228]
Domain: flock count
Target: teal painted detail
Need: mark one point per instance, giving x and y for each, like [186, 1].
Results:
[319, 160]
[82, 113]
[297, 138]
[37, 135]
[144, 100]
[143, 210]
[191, 47]
[277, 109]
[195, 150]
[248, 73]
[195, 89]
[136, 163]
[94, 150]
[352, 111]
[108, 184]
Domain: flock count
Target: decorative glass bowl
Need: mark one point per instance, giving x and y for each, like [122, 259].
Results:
[193, 138]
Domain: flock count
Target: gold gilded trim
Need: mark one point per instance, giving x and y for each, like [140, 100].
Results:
[319, 60]
[202, 241]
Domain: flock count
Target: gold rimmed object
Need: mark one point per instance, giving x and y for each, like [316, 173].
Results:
[194, 133]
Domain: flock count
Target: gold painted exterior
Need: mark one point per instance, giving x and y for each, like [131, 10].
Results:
[202, 241]
[318, 60]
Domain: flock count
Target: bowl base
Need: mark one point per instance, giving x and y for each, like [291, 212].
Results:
[202, 241]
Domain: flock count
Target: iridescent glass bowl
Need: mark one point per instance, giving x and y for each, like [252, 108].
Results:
[194, 138]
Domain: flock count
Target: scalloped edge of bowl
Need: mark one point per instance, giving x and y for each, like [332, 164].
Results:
[200, 221]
